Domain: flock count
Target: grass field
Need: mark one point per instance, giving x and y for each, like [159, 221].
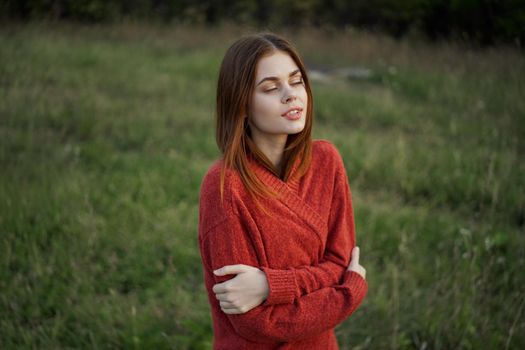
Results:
[106, 132]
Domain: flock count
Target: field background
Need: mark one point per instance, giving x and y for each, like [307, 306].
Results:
[106, 132]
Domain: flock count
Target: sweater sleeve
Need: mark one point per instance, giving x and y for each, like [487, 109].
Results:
[228, 243]
[289, 284]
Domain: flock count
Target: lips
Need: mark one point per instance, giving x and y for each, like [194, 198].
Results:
[293, 113]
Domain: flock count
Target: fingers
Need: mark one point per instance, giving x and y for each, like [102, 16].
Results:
[232, 311]
[225, 305]
[221, 287]
[222, 297]
[231, 270]
[235, 310]
[355, 254]
[230, 308]
[354, 263]
[228, 270]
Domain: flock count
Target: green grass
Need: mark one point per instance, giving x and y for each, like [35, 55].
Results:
[106, 132]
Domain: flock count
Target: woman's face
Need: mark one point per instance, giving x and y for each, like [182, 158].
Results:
[279, 99]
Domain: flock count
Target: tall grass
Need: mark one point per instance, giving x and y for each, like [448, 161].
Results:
[106, 132]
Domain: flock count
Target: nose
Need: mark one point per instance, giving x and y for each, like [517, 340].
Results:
[288, 97]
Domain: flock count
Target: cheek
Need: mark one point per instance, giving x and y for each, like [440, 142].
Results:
[263, 106]
[304, 96]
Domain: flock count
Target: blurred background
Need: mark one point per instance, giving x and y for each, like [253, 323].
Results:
[107, 128]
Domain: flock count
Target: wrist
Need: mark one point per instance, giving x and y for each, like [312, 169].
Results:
[265, 288]
[281, 286]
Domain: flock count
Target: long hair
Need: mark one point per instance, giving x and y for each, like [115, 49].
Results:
[235, 88]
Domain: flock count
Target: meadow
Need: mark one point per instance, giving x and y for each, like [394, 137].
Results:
[106, 132]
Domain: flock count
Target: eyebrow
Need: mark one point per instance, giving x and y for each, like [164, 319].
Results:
[277, 79]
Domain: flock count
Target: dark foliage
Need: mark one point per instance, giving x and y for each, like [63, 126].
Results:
[482, 22]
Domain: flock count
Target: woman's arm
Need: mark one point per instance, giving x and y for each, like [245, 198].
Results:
[339, 244]
[283, 286]
[250, 287]
[284, 322]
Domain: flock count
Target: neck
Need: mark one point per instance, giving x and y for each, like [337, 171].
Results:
[273, 148]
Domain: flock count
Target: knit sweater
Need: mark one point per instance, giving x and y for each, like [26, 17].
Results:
[303, 245]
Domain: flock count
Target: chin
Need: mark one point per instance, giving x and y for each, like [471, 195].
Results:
[296, 130]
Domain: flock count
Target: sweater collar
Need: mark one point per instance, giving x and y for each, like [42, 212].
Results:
[289, 194]
[274, 181]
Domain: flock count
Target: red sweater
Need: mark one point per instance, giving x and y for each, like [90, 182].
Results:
[303, 246]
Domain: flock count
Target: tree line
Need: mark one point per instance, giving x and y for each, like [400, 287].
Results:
[482, 22]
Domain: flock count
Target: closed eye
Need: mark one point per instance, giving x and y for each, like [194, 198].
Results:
[295, 82]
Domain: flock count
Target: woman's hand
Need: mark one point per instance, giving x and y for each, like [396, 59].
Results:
[354, 263]
[243, 292]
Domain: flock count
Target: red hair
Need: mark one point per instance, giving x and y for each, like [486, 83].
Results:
[234, 93]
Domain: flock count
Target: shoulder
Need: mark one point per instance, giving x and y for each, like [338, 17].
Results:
[325, 154]
[214, 207]
[211, 179]
[326, 147]
[210, 190]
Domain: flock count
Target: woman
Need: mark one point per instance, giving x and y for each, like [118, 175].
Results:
[276, 227]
